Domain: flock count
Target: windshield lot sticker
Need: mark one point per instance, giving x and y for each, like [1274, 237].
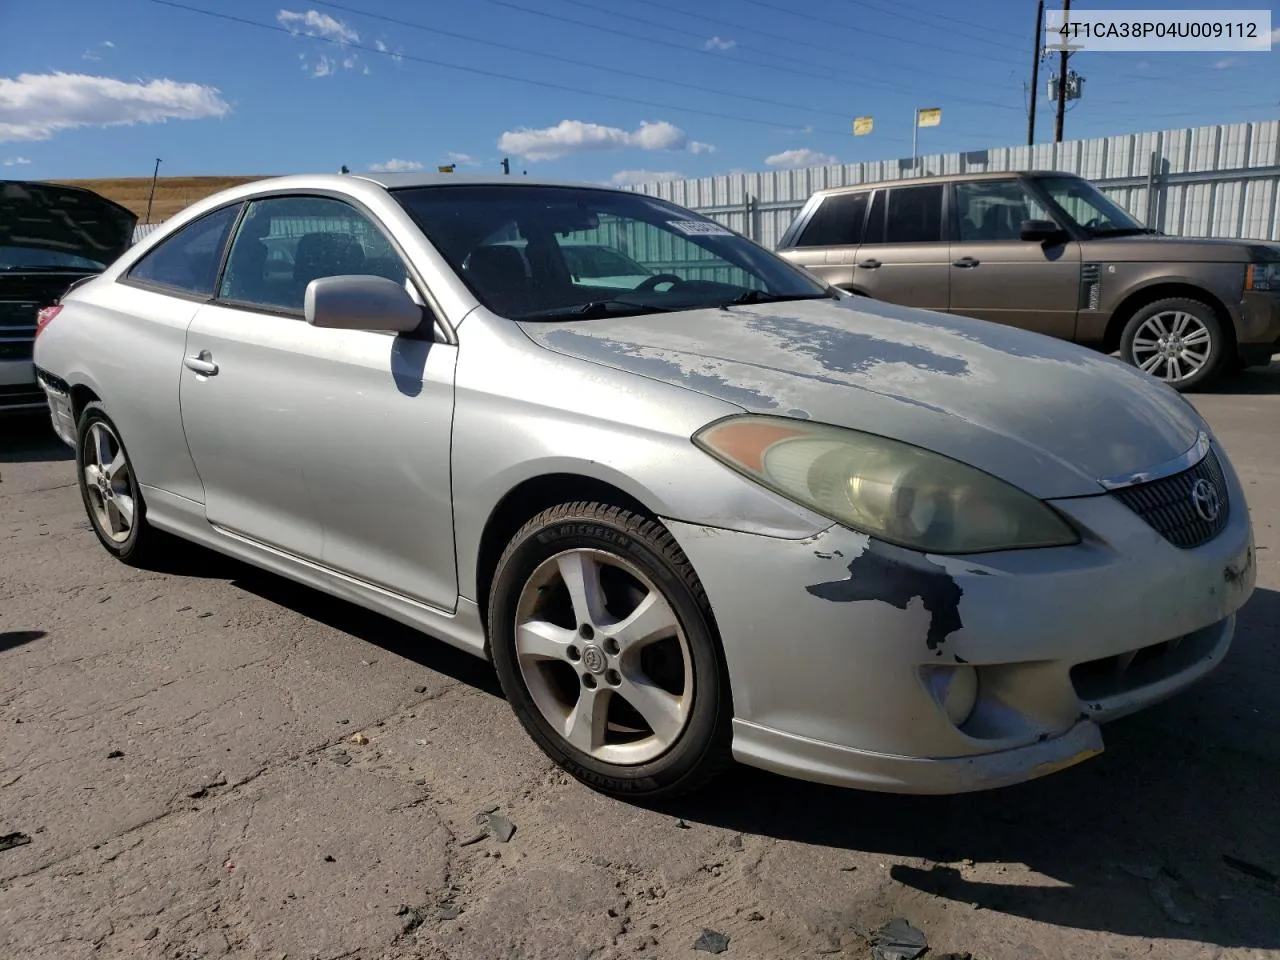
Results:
[700, 228]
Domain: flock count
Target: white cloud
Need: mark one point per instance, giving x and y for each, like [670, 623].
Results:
[719, 43]
[16, 161]
[1225, 64]
[313, 23]
[395, 166]
[324, 66]
[89, 55]
[803, 157]
[381, 47]
[575, 136]
[107, 43]
[35, 106]
[626, 178]
[349, 63]
[463, 158]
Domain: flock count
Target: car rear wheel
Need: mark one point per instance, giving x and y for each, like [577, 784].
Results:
[1179, 341]
[110, 489]
[603, 641]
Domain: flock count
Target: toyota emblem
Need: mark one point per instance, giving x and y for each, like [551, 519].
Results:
[1205, 500]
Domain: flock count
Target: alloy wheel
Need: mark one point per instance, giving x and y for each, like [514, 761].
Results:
[108, 483]
[604, 656]
[1173, 345]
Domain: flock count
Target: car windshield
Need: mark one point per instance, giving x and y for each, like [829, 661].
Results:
[1090, 209]
[30, 258]
[520, 248]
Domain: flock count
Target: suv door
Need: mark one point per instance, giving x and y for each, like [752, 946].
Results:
[996, 275]
[904, 253]
[828, 243]
[331, 445]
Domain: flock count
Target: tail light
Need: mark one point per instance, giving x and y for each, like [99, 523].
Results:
[45, 317]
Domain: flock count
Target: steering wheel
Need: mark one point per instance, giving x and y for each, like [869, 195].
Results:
[1095, 224]
[648, 285]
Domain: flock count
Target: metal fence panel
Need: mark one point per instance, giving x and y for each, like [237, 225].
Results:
[1218, 181]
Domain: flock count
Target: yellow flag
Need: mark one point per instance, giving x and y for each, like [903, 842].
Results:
[447, 168]
[929, 116]
[862, 126]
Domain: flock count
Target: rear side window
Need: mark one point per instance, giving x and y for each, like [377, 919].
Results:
[187, 262]
[837, 222]
[914, 215]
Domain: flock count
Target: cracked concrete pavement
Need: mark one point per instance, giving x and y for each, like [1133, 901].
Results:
[181, 749]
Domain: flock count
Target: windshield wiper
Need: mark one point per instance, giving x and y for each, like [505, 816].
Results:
[762, 296]
[598, 309]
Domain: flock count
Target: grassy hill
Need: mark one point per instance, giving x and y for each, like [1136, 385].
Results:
[172, 193]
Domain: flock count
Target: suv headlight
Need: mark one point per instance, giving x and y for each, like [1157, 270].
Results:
[885, 488]
[1263, 276]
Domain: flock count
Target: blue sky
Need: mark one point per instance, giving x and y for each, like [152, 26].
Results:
[96, 88]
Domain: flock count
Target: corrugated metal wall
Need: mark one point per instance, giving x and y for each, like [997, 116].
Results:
[1221, 181]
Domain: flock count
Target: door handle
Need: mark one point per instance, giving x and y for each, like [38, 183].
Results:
[965, 262]
[201, 363]
[871, 264]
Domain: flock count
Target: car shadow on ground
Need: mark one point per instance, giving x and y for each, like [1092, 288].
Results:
[1254, 381]
[1144, 841]
[191, 560]
[29, 438]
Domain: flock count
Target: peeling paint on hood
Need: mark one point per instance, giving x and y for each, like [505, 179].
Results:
[1046, 415]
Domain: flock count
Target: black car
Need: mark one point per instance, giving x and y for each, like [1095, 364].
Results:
[51, 236]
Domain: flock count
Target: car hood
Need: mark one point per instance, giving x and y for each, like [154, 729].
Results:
[1048, 416]
[72, 220]
[1149, 247]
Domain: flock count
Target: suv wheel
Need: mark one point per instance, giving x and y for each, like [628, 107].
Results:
[603, 641]
[1179, 341]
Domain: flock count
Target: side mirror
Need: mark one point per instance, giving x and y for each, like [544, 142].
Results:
[360, 303]
[1042, 231]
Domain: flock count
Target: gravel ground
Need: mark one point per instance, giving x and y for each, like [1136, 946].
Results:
[210, 761]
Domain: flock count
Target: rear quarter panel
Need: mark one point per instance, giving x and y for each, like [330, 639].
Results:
[125, 344]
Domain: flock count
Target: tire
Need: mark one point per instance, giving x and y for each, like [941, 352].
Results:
[114, 504]
[549, 670]
[1199, 349]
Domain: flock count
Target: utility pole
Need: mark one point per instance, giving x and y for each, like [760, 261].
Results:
[151, 196]
[506, 166]
[1062, 77]
[1035, 73]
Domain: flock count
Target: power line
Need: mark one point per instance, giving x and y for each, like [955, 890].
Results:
[577, 62]
[842, 78]
[933, 15]
[838, 51]
[493, 74]
[861, 31]
[923, 18]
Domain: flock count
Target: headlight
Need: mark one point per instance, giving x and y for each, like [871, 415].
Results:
[1263, 276]
[890, 490]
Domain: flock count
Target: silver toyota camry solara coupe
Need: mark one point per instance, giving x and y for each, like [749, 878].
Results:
[727, 512]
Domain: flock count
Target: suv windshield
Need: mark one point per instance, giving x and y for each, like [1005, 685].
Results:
[555, 253]
[28, 258]
[1089, 208]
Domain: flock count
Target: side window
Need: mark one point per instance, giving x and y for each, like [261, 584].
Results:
[286, 242]
[914, 215]
[837, 222]
[993, 210]
[187, 262]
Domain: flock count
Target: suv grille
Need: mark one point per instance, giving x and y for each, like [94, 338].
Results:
[1167, 504]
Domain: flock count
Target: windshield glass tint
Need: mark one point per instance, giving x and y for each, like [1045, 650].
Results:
[533, 252]
[1088, 206]
[15, 258]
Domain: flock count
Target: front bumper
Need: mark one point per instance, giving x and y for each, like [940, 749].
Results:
[1259, 337]
[826, 640]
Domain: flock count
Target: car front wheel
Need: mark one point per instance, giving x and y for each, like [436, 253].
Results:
[603, 641]
[1179, 341]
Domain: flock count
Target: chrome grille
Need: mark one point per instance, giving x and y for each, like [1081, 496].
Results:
[1167, 504]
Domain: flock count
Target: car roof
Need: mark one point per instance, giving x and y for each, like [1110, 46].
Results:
[397, 181]
[943, 178]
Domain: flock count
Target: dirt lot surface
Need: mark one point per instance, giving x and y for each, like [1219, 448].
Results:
[172, 193]
[209, 761]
